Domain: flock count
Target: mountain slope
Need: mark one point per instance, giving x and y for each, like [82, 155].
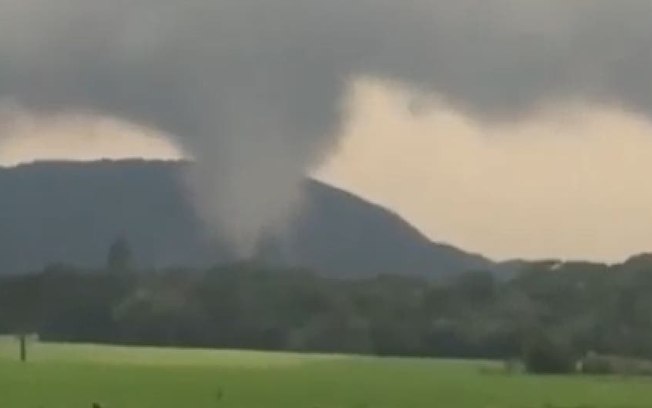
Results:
[71, 212]
[338, 229]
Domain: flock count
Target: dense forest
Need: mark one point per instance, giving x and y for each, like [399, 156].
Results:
[578, 307]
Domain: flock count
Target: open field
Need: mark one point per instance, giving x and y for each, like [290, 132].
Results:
[66, 376]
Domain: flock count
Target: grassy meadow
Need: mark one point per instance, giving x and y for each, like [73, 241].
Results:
[69, 376]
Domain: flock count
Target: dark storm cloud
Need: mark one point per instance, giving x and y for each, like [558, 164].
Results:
[254, 89]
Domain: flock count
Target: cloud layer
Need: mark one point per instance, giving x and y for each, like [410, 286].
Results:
[570, 183]
[255, 90]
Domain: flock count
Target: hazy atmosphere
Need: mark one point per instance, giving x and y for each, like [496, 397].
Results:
[325, 203]
[529, 136]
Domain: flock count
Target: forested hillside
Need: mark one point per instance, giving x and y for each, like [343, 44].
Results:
[51, 212]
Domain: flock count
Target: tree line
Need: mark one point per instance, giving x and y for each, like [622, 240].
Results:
[570, 308]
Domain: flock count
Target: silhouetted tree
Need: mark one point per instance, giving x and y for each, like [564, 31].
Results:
[120, 256]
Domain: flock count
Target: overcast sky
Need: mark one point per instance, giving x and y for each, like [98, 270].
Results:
[516, 128]
[559, 185]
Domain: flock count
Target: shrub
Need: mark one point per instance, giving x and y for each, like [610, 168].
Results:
[597, 365]
[548, 356]
[606, 365]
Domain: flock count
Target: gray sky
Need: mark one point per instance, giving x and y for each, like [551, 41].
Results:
[570, 183]
[526, 133]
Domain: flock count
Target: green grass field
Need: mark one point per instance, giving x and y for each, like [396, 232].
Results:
[67, 376]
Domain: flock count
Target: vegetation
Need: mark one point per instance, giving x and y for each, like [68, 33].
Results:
[64, 376]
[545, 355]
[600, 365]
[120, 256]
[551, 315]
[71, 211]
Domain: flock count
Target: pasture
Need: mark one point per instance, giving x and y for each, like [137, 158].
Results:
[69, 376]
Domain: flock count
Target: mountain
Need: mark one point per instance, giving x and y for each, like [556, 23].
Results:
[71, 212]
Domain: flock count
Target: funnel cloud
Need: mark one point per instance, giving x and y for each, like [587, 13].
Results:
[256, 90]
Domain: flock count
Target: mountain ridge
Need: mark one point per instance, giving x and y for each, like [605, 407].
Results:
[64, 211]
